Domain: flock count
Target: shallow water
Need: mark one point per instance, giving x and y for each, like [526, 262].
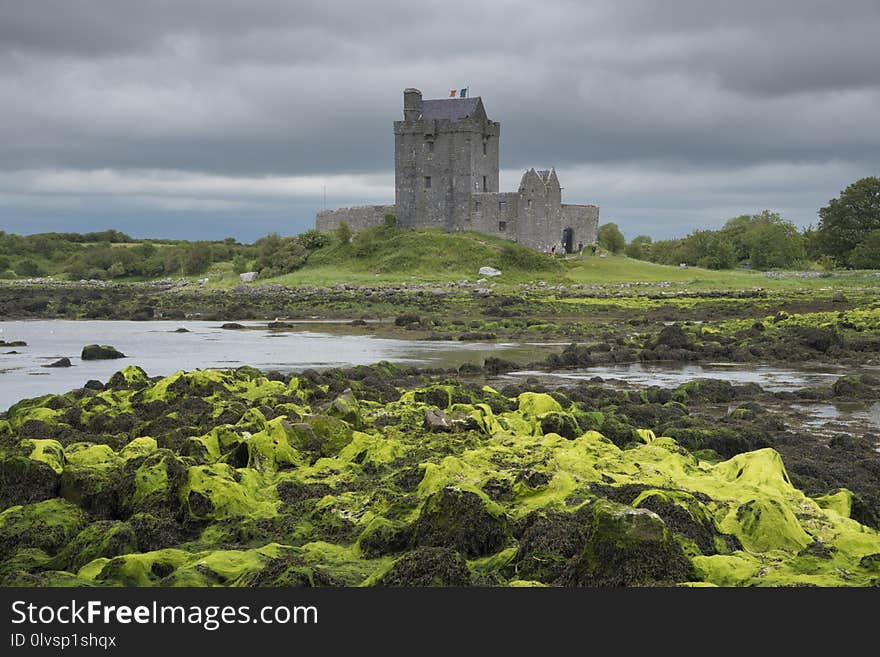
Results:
[771, 378]
[156, 348]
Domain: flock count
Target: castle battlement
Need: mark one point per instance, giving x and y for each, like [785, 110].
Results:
[446, 166]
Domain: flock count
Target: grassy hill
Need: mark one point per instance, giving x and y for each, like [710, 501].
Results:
[392, 255]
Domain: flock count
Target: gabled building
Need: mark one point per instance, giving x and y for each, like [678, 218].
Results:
[446, 176]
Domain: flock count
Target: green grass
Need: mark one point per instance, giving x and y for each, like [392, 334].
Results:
[389, 255]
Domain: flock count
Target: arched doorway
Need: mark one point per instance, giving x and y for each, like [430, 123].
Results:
[568, 240]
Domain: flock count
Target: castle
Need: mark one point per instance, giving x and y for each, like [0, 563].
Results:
[446, 176]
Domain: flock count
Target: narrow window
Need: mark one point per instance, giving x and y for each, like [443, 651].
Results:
[485, 188]
[476, 206]
[430, 146]
[502, 205]
[502, 226]
[476, 186]
[427, 182]
[529, 204]
[485, 150]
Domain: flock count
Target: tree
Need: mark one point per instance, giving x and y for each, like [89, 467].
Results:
[28, 267]
[611, 238]
[343, 234]
[847, 220]
[239, 264]
[197, 258]
[313, 239]
[639, 248]
[774, 245]
[867, 254]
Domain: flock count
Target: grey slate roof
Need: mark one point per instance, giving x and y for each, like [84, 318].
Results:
[544, 173]
[453, 109]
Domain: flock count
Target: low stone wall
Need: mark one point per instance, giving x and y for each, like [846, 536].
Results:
[357, 218]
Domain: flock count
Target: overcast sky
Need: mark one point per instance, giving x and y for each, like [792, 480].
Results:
[215, 118]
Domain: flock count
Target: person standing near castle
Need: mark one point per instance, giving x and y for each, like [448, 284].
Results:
[581, 249]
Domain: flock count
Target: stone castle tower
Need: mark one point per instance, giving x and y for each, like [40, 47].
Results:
[444, 151]
[446, 176]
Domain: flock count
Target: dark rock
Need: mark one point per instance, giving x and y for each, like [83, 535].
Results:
[438, 421]
[93, 384]
[232, 326]
[428, 566]
[850, 386]
[384, 538]
[24, 480]
[563, 424]
[674, 337]
[154, 532]
[105, 538]
[13, 343]
[547, 544]
[627, 547]
[95, 490]
[181, 330]
[460, 520]
[100, 352]
[61, 362]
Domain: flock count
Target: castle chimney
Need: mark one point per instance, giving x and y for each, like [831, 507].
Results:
[412, 104]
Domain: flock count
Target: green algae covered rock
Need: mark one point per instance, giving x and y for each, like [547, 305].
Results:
[24, 480]
[548, 543]
[330, 435]
[626, 547]
[232, 478]
[536, 404]
[94, 489]
[461, 520]
[46, 450]
[220, 491]
[152, 483]
[48, 526]
[428, 566]
[346, 408]
[106, 538]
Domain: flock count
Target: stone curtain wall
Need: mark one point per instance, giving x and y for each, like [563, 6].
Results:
[583, 220]
[357, 218]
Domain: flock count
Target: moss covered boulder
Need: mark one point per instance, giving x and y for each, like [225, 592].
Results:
[47, 525]
[461, 520]
[428, 566]
[627, 547]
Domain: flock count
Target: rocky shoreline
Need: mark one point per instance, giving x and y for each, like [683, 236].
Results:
[395, 476]
[388, 476]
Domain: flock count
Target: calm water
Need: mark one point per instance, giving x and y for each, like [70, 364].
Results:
[771, 378]
[156, 348]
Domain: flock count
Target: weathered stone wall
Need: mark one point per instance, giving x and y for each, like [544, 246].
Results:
[357, 218]
[583, 220]
[494, 214]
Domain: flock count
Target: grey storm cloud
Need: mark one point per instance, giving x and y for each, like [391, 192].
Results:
[671, 115]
